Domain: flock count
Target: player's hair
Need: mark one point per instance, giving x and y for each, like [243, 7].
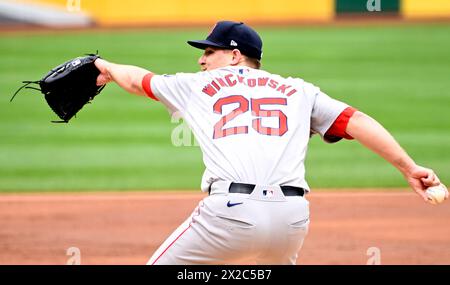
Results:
[253, 62]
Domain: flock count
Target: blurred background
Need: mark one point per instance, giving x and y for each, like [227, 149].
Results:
[388, 58]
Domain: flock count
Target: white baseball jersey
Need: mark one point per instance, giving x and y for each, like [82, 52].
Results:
[252, 126]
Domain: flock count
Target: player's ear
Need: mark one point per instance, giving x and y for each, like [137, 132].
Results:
[237, 57]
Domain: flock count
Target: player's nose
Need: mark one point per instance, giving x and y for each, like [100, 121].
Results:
[202, 60]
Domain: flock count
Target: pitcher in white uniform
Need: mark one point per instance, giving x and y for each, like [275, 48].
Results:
[253, 128]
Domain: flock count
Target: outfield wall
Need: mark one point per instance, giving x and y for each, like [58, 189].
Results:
[152, 12]
[193, 12]
[423, 9]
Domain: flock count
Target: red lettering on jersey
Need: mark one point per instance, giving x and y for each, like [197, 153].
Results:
[283, 88]
[273, 83]
[291, 92]
[209, 90]
[262, 81]
[215, 85]
[228, 80]
[240, 79]
[251, 82]
[221, 82]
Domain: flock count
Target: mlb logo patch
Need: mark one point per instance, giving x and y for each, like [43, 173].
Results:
[268, 193]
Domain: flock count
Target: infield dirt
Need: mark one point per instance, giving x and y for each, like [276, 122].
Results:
[126, 228]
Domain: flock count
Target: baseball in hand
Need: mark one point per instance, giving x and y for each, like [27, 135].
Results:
[437, 194]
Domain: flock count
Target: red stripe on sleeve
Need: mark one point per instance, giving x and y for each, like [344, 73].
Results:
[340, 124]
[147, 86]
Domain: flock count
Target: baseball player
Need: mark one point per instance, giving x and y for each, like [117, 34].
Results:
[253, 128]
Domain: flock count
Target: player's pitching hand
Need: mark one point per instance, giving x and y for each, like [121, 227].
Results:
[420, 178]
[104, 76]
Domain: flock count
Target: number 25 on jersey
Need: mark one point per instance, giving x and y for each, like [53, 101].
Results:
[257, 111]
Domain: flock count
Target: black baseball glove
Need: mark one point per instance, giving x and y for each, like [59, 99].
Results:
[69, 86]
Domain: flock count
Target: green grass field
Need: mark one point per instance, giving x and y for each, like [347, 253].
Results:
[399, 75]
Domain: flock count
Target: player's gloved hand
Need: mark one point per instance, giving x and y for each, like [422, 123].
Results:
[420, 178]
[104, 77]
[69, 86]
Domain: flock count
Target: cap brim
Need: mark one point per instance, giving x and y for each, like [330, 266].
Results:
[203, 44]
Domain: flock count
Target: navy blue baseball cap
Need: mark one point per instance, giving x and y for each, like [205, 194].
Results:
[232, 35]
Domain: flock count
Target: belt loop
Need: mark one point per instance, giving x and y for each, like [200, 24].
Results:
[219, 187]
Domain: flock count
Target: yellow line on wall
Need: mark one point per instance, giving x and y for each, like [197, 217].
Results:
[422, 9]
[170, 12]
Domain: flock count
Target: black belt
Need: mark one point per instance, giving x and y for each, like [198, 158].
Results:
[248, 189]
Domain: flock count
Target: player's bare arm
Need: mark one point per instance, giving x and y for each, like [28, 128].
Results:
[374, 136]
[128, 77]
